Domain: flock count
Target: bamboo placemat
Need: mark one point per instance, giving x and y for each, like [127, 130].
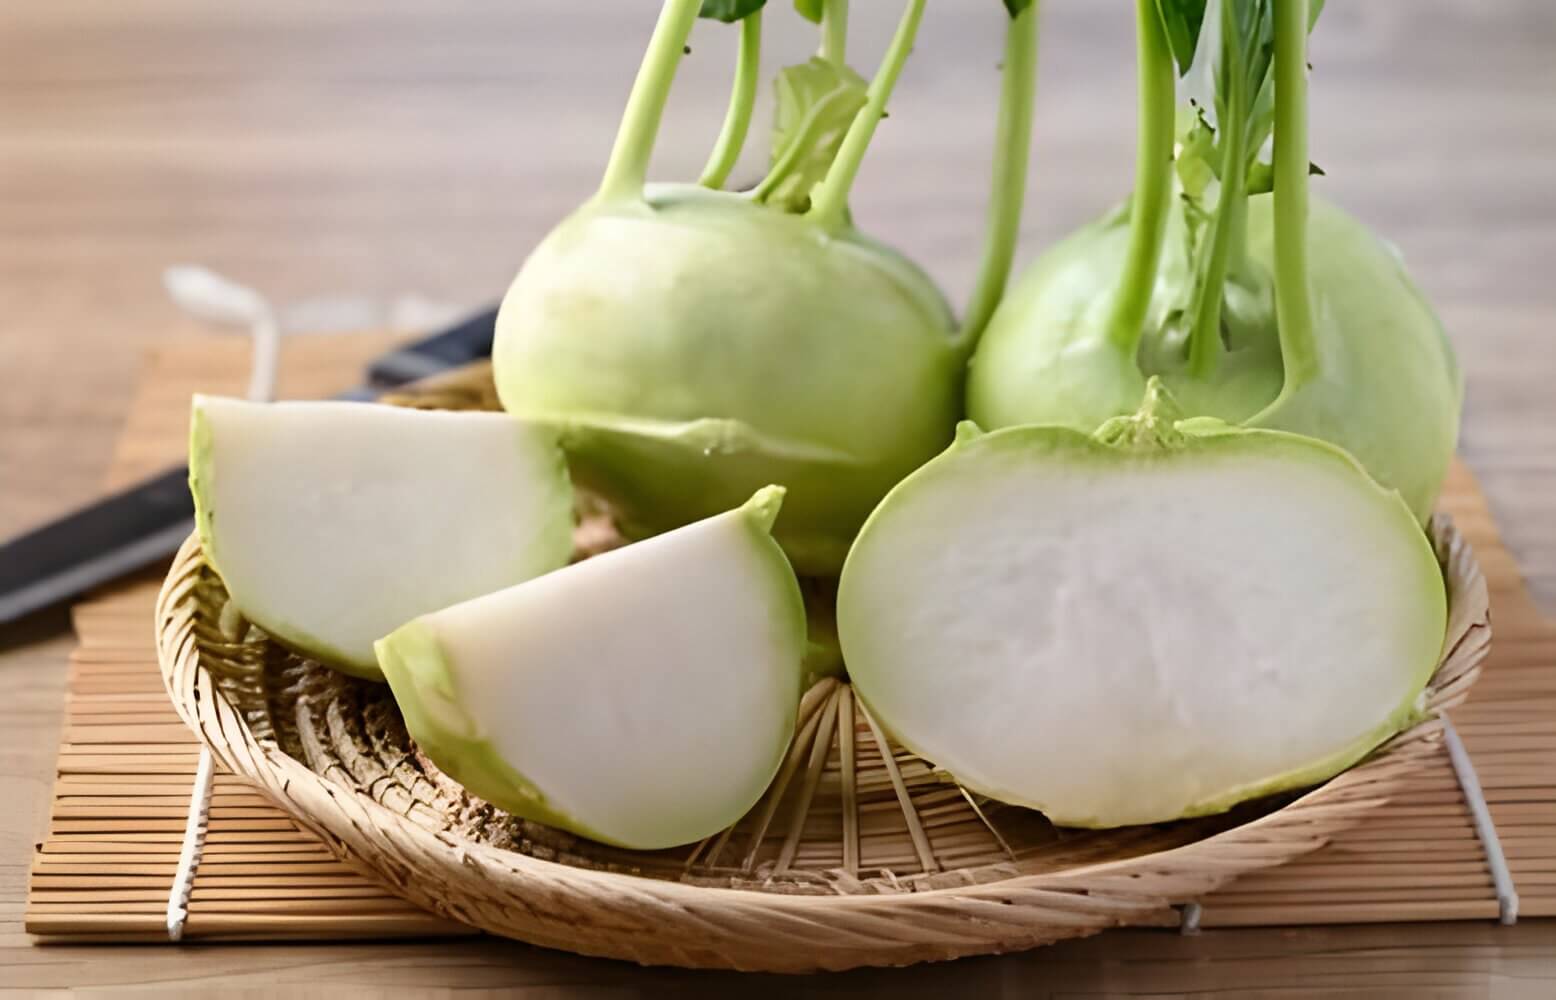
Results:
[105, 866]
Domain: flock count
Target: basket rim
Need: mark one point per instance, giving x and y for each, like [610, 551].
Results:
[1122, 888]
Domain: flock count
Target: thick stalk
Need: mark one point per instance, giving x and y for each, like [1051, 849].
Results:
[1205, 335]
[627, 168]
[834, 31]
[1293, 294]
[829, 201]
[742, 98]
[1007, 188]
[1156, 88]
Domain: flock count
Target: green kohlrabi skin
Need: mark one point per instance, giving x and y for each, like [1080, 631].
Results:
[1388, 388]
[696, 347]
[1362, 361]
[691, 345]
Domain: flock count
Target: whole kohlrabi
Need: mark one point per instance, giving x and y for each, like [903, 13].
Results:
[692, 345]
[1250, 307]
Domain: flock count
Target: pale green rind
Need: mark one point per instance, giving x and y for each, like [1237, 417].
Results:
[425, 686]
[1389, 390]
[202, 473]
[202, 476]
[1203, 436]
[419, 674]
[761, 513]
[763, 507]
[661, 340]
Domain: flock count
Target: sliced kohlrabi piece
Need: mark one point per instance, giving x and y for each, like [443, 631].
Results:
[1158, 621]
[332, 524]
[644, 697]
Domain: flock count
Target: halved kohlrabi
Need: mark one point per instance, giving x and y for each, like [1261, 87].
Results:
[332, 524]
[643, 698]
[1161, 620]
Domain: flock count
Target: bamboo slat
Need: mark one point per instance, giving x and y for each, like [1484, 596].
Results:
[105, 866]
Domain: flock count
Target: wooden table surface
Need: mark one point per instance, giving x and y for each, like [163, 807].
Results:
[378, 148]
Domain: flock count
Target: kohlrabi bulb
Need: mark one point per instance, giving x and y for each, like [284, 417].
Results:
[1387, 387]
[694, 346]
[691, 345]
[1254, 306]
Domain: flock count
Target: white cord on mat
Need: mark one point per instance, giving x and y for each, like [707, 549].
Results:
[1485, 829]
[212, 297]
[195, 825]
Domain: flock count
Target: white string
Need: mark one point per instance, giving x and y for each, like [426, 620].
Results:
[213, 298]
[1485, 829]
[195, 825]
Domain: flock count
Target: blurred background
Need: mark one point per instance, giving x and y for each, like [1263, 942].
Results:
[390, 148]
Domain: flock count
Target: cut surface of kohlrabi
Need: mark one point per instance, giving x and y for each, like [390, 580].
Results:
[334, 523]
[1158, 621]
[644, 697]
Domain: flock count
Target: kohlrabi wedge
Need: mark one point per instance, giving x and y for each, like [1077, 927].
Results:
[644, 697]
[1219, 279]
[692, 344]
[1161, 620]
[332, 524]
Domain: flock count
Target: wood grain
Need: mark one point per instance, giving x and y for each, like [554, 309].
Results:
[385, 147]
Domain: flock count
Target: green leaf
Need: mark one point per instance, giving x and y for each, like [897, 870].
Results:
[730, 11]
[1017, 6]
[1314, 8]
[817, 101]
[810, 10]
[1182, 20]
[1196, 159]
[1261, 177]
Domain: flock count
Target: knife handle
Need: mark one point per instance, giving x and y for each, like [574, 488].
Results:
[470, 341]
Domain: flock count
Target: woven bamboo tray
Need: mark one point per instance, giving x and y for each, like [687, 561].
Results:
[860, 854]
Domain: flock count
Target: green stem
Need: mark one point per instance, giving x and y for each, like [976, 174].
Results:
[1237, 259]
[1205, 335]
[1293, 294]
[805, 139]
[1157, 99]
[829, 200]
[1007, 188]
[627, 168]
[834, 31]
[742, 98]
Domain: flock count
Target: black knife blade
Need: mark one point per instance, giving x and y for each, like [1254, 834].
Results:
[148, 521]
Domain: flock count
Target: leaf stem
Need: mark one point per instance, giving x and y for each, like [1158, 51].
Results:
[1007, 188]
[829, 200]
[742, 98]
[805, 139]
[1293, 294]
[1157, 96]
[627, 168]
[834, 31]
[1210, 291]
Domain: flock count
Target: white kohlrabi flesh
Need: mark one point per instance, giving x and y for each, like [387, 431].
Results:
[644, 697]
[1160, 621]
[332, 524]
